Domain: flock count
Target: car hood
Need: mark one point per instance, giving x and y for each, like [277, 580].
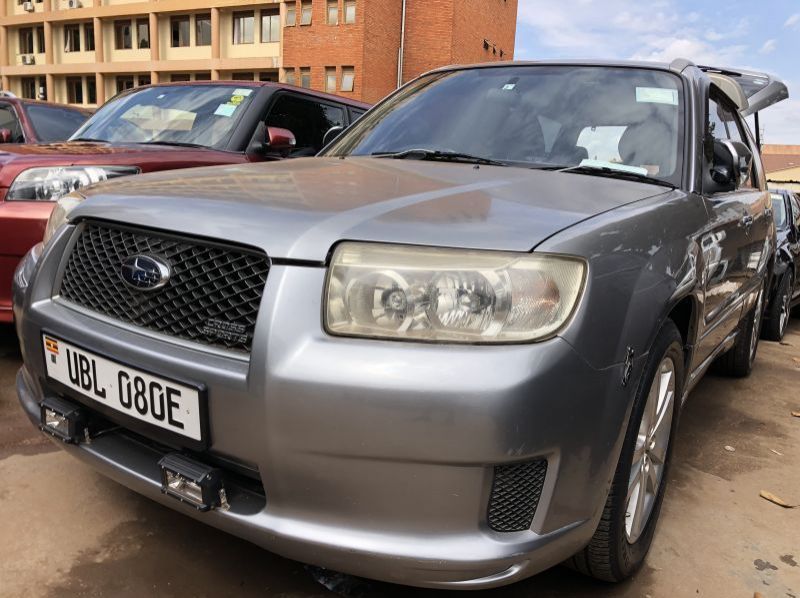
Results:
[297, 209]
[79, 152]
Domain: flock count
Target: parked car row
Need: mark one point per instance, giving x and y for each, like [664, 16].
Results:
[451, 350]
[159, 127]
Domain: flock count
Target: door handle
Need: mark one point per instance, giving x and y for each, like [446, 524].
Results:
[747, 221]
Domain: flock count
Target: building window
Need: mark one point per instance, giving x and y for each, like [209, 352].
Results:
[270, 26]
[179, 28]
[26, 40]
[29, 88]
[124, 82]
[142, 80]
[333, 12]
[40, 39]
[330, 79]
[72, 38]
[88, 37]
[305, 12]
[243, 76]
[349, 11]
[91, 90]
[180, 77]
[243, 24]
[142, 33]
[291, 14]
[348, 78]
[122, 36]
[75, 90]
[305, 77]
[263, 76]
[202, 76]
[202, 30]
[288, 76]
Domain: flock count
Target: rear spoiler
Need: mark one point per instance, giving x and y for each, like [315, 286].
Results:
[760, 89]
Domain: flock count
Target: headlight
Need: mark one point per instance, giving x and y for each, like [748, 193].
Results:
[48, 184]
[59, 214]
[430, 294]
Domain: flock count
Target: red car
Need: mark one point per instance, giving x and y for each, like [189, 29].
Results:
[31, 121]
[158, 127]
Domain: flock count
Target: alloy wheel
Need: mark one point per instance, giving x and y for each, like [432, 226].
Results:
[650, 452]
[759, 312]
[786, 310]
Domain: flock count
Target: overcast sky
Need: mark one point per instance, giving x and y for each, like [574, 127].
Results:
[762, 35]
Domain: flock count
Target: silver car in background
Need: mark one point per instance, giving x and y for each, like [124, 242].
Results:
[449, 352]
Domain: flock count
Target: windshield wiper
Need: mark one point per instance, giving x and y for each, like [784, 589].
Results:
[176, 143]
[90, 139]
[444, 156]
[614, 173]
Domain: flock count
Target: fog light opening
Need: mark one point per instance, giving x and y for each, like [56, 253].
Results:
[192, 482]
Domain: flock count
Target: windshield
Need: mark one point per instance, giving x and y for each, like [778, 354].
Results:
[54, 123]
[202, 115]
[534, 116]
[779, 210]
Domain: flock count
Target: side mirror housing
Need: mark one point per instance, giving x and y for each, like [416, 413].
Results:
[332, 134]
[5, 135]
[731, 165]
[271, 142]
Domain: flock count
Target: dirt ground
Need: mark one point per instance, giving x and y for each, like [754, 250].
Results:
[67, 531]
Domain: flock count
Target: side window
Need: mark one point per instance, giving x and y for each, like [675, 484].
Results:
[796, 209]
[723, 123]
[355, 114]
[307, 119]
[10, 121]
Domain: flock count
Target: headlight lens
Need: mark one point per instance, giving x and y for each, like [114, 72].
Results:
[48, 184]
[431, 294]
[59, 214]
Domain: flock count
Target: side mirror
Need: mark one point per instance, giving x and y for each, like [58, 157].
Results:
[5, 135]
[732, 161]
[332, 134]
[279, 141]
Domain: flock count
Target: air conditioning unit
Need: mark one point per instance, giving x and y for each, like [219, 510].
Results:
[27, 6]
[74, 3]
[28, 59]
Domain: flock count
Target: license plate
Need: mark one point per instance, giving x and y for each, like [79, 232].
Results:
[163, 403]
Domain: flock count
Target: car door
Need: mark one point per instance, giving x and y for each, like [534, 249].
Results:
[794, 242]
[9, 119]
[727, 244]
[307, 117]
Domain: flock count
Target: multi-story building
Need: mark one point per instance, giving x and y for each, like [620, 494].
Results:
[85, 51]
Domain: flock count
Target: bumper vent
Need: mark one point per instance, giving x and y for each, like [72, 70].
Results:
[212, 296]
[515, 495]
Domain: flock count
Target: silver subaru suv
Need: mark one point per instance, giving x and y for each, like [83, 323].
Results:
[450, 351]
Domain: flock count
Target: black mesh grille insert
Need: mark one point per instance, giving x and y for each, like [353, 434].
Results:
[515, 495]
[212, 296]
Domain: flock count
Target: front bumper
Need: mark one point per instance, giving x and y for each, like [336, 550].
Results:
[376, 458]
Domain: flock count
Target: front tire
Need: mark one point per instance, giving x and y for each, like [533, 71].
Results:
[623, 537]
[779, 312]
[737, 362]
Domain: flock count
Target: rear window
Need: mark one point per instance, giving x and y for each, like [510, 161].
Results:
[54, 123]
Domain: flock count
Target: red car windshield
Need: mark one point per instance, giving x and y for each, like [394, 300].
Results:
[195, 115]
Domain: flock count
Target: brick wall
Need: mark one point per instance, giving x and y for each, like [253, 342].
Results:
[381, 45]
[438, 33]
[429, 35]
[478, 20]
[320, 45]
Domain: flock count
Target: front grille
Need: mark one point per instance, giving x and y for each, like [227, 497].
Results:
[515, 495]
[212, 296]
